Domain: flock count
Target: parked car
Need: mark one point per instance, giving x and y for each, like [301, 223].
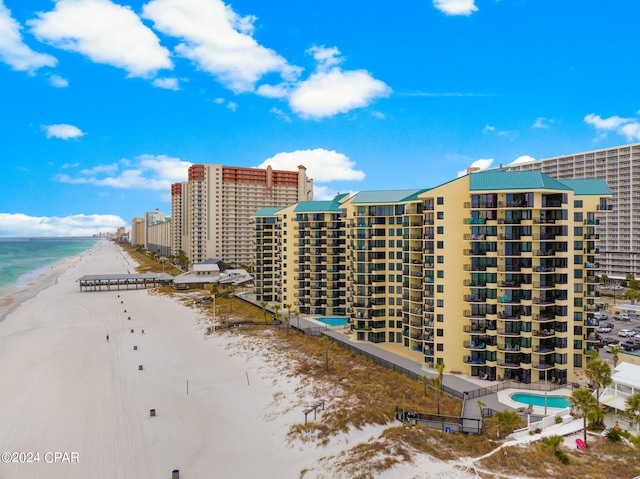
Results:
[600, 316]
[610, 325]
[626, 333]
[604, 329]
[610, 341]
[631, 345]
[622, 316]
[637, 337]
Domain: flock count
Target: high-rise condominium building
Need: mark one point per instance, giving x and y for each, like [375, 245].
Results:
[137, 236]
[219, 203]
[619, 228]
[492, 274]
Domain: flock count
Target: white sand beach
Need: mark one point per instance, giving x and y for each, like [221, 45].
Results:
[65, 389]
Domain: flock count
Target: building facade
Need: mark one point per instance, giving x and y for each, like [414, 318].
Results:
[619, 229]
[219, 203]
[491, 274]
[137, 232]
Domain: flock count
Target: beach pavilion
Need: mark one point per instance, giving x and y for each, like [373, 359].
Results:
[625, 381]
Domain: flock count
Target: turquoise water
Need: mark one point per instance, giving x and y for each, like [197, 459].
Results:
[334, 321]
[20, 258]
[538, 400]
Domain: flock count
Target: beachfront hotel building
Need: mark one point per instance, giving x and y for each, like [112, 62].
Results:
[212, 211]
[492, 274]
[619, 229]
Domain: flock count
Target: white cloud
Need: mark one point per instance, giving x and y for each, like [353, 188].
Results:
[627, 127]
[325, 94]
[63, 131]
[481, 164]
[218, 40]
[232, 105]
[149, 173]
[523, 159]
[105, 32]
[325, 57]
[489, 128]
[13, 51]
[18, 224]
[456, 7]
[58, 82]
[280, 113]
[167, 83]
[273, 91]
[542, 122]
[322, 165]
[377, 114]
[70, 165]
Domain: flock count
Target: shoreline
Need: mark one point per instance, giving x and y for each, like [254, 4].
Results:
[30, 284]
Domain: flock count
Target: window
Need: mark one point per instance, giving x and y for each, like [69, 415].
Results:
[577, 217]
[399, 324]
[577, 273]
[440, 244]
[439, 347]
[577, 231]
[440, 318]
[440, 303]
[577, 259]
[577, 203]
[440, 288]
[440, 273]
[391, 336]
[392, 243]
[392, 278]
[440, 230]
[440, 215]
[440, 332]
[440, 259]
[440, 200]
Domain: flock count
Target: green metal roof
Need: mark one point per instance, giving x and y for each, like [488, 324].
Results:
[386, 196]
[317, 207]
[268, 211]
[588, 186]
[492, 180]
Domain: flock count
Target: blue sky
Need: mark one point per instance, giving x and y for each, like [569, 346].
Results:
[104, 104]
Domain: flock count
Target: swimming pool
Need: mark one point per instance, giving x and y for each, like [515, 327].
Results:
[334, 321]
[538, 400]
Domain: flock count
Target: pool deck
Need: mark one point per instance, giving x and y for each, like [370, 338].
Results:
[504, 398]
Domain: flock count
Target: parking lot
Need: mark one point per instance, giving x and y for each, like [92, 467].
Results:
[616, 329]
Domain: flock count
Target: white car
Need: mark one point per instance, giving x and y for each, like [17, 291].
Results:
[626, 333]
[637, 336]
[603, 329]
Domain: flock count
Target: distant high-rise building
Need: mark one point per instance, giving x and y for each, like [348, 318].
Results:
[619, 228]
[137, 232]
[219, 203]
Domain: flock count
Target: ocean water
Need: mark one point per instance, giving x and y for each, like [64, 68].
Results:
[22, 258]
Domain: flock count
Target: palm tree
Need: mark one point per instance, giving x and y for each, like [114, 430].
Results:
[263, 304]
[424, 381]
[615, 350]
[507, 420]
[277, 308]
[326, 342]
[288, 306]
[599, 372]
[633, 409]
[297, 315]
[437, 381]
[583, 402]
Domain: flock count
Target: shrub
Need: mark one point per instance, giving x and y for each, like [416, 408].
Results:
[613, 435]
